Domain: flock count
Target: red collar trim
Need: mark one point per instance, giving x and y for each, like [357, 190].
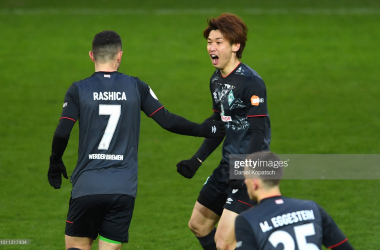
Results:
[230, 72]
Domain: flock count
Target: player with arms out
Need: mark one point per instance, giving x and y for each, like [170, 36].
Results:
[279, 222]
[108, 105]
[240, 100]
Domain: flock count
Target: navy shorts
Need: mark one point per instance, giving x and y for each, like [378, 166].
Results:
[108, 215]
[217, 195]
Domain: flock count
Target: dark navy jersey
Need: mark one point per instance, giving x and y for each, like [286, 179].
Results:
[286, 223]
[240, 95]
[108, 107]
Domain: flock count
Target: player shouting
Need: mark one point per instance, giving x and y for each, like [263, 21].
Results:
[240, 100]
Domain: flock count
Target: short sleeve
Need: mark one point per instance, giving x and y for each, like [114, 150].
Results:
[71, 104]
[245, 238]
[149, 101]
[332, 235]
[255, 97]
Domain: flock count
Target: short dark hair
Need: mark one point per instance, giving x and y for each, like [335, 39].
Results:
[267, 157]
[105, 45]
[232, 28]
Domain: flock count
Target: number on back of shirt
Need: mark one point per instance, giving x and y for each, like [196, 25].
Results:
[301, 232]
[114, 112]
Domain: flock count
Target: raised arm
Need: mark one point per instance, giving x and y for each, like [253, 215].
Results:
[175, 123]
[179, 125]
[188, 168]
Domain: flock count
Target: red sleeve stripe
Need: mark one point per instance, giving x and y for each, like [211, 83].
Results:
[215, 110]
[68, 118]
[69, 222]
[255, 115]
[340, 243]
[245, 203]
[156, 111]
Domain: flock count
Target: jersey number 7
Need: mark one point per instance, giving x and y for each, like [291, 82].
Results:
[114, 112]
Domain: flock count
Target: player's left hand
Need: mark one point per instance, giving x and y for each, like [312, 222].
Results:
[56, 170]
[188, 168]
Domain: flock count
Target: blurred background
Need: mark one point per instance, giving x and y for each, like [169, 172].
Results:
[319, 60]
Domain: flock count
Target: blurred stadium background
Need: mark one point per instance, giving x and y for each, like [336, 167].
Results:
[319, 59]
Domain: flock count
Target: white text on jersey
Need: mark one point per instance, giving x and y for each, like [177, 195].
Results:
[286, 219]
[105, 96]
[106, 157]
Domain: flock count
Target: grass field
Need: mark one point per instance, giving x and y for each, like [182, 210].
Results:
[319, 59]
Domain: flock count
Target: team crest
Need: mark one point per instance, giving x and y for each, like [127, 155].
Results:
[230, 98]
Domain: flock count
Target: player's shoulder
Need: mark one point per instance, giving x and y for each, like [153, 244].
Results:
[247, 72]
[129, 77]
[256, 211]
[248, 76]
[300, 202]
[279, 203]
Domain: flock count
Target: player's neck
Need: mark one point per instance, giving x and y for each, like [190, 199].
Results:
[230, 67]
[268, 194]
[106, 67]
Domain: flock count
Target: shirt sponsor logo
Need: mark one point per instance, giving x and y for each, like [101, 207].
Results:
[226, 118]
[108, 96]
[255, 100]
[223, 117]
[108, 157]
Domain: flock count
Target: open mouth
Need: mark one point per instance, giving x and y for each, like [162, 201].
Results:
[214, 59]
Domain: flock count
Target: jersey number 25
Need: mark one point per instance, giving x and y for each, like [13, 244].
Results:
[301, 232]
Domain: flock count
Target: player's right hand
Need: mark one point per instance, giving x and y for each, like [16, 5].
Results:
[56, 170]
[212, 129]
[188, 168]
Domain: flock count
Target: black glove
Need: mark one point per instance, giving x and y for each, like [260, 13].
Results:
[187, 168]
[235, 184]
[211, 129]
[54, 174]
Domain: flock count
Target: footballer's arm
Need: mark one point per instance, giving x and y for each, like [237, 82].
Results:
[209, 144]
[244, 235]
[174, 123]
[257, 129]
[333, 237]
[188, 168]
[179, 125]
[61, 137]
